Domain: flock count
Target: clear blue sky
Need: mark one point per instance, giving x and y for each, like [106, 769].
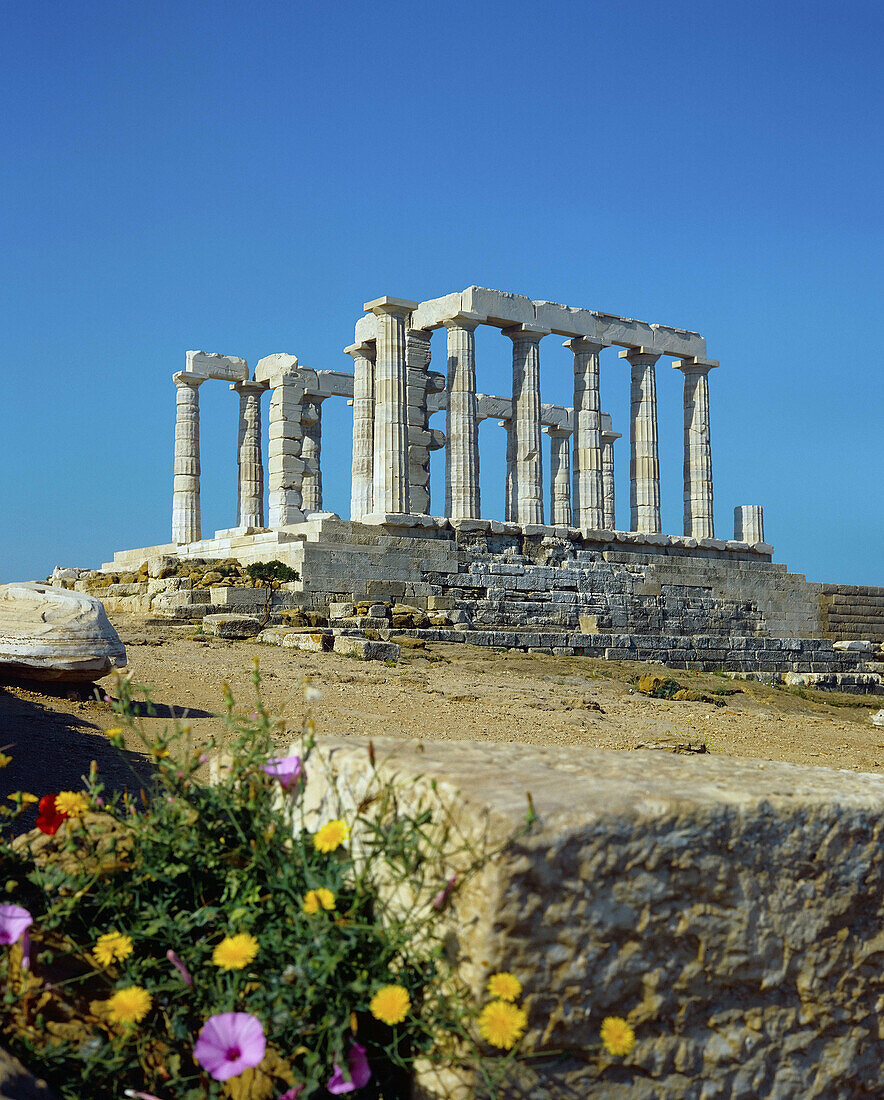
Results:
[240, 177]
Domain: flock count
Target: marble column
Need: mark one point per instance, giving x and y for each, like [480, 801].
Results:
[285, 465]
[250, 464]
[390, 491]
[589, 505]
[644, 458]
[527, 466]
[509, 504]
[417, 358]
[698, 522]
[749, 523]
[462, 451]
[560, 476]
[186, 477]
[609, 521]
[362, 476]
[311, 454]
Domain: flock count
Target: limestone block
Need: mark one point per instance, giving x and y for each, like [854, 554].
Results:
[878, 718]
[366, 649]
[229, 596]
[272, 366]
[231, 626]
[315, 642]
[854, 646]
[49, 633]
[340, 610]
[210, 364]
[497, 306]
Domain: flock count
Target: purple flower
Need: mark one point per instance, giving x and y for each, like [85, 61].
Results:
[440, 899]
[14, 922]
[179, 966]
[230, 1043]
[360, 1073]
[287, 770]
[292, 1093]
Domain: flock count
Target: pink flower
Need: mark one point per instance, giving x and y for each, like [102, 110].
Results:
[230, 1043]
[287, 770]
[179, 966]
[14, 924]
[360, 1073]
[292, 1093]
[443, 895]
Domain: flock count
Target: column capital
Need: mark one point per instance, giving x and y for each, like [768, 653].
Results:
[185, 378]
[647, 356]
[526, 332]
[465, 320]
[695, 363]
[582, 343]
[398, 307]
[249, 385]
[365, 349]
[558, 433]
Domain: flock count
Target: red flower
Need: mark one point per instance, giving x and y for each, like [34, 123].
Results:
[49, 819]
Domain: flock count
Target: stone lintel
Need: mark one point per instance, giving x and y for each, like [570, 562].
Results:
[387, 304]
[211, 364]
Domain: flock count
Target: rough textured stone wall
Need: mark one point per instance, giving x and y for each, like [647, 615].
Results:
[849, 611]
[731, 909]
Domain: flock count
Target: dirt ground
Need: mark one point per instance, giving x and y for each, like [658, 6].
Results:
[443, 692]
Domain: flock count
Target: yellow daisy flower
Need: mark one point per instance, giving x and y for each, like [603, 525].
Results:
[390, 1004]
[505, 986]
[331, 836]
[618, 1038]
[502, 1024]
[235, 952]
[314, 900]
[129, 1005]
[112, 947]
[72, 803]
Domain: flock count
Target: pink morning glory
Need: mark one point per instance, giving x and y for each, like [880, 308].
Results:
[287, 769]
[14, 924]
[292, 1093]
[230, 1043]
[360, 1073]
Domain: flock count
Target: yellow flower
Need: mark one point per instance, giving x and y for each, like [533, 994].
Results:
[502, 1024]
[331, 836]
[390, 1004]
[24, 797]
[112, 947]
[618, 1038]
[72, 803]
[129, 1005]
[505, 986]
[235, 952]
[116, 731]
[4, 760]
[314, 900]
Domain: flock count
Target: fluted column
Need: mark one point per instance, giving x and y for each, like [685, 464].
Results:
[462, 451]
[417, 358]
[609, 521]
[509, 504]
[186, 476]
[588, 456]
[527, 467]
[250, 464]
[749, 523]
[560, 476]
[698, 521]
[391, 405]
[311, 453]
[285, 465]
[362, 475]
[644, 460]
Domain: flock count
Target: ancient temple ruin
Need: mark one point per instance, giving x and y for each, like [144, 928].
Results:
[553, 571]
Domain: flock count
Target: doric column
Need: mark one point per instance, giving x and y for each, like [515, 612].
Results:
[462, 451]
[417, 358]
[362, 477]
[527, 467]
[250, 487]
[608, 515]
[509, 504]
[560, 476]
[186, 477]
[311, 448]
[391, 405]
[644, 459]
[285, 465]
[748, 523]
[588, 460]
[698, 521]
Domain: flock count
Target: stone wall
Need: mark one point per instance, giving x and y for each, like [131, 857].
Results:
[848, 612]
[730, 909]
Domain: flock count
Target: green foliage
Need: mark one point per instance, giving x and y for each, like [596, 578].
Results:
[271, 572]
[192, 861]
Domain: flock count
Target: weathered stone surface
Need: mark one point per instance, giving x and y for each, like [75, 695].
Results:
[731, 909]
[878, 718]
[49, 633]
[17, 1084]
[232, 626]
[367, 649]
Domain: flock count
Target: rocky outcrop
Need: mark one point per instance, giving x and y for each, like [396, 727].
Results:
[730, 909]
[49, 633]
